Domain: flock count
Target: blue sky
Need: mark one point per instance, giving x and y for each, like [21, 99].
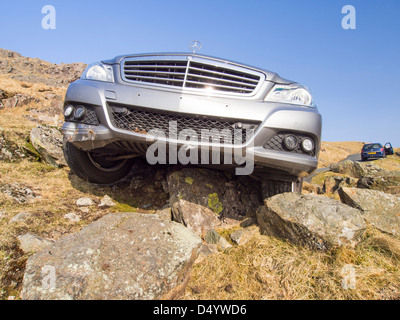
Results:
[354, 75]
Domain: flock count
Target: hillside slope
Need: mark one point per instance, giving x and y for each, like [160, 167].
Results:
[46, 201]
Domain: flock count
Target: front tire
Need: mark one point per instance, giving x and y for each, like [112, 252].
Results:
[91, 167]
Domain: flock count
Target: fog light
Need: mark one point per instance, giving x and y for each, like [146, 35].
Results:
[80, 112]
[69, 109]
[307, 145]
[290, 142]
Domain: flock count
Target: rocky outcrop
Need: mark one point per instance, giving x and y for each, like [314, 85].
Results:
[38, 71]
[388, 182]
[9, 151]
[21, 194]
[333, 183]
[48, 142]
[120, 256]
[227, 196]
[313, 221]
[380, 209]
[17, 100]
[349, 167]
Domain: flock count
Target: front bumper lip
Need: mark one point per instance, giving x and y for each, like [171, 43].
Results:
[88, 137]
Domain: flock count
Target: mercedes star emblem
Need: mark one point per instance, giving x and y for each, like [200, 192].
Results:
[195, 46]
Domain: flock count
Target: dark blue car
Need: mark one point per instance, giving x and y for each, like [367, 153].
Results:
[375, 150]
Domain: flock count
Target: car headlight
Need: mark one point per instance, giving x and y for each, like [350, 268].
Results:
[292, 93]
[99, 71]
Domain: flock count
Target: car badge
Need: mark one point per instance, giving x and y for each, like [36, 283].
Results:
[195, 46]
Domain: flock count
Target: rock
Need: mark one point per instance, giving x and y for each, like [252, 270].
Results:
[20, 217]
[106, 201]
[228, 196]
[120, 256]
[213, 237]
[242, 236]
[197, 218]
[19, 193]
[333, 183]
[31, 243]
[165, 214]
[38, 71]
[9, 151]
[309, 220]
[223, 244]
[248, 222]
[84, 202]
[206, 250]
[388, 182]
[349, 167]
[18, 100]
[48, 141]
[380, 209]
[72, 216]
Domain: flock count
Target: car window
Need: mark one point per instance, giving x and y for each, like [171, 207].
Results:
[371, 146]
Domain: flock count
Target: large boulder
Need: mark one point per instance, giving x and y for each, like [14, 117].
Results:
[227, 196]
[380, 209]
[387, 181]
[48, 141]
[349, 167]
[120, 256]
[313, 221]
[333, 183]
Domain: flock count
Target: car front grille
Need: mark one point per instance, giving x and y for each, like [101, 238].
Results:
[188, 72]
[142, 121]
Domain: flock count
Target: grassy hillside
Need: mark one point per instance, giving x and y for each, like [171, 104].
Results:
[264, 268]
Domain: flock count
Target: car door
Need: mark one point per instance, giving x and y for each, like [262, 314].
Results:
[388, 148]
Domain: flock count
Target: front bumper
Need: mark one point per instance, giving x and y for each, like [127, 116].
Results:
[271, 119]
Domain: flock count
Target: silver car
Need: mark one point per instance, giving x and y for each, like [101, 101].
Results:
[190, 109]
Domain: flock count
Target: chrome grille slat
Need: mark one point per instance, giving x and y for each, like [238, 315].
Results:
[157, 78]
[223, 74]
[224, 80]
[156, 72]
[198, 84]
[191, 73]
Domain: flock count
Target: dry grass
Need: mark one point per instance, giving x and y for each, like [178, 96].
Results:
[269, 268]
[333, 152]
[38, 90]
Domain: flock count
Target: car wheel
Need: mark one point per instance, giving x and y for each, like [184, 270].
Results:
[90, 167]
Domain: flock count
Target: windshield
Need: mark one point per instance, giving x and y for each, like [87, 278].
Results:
[372, 146]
